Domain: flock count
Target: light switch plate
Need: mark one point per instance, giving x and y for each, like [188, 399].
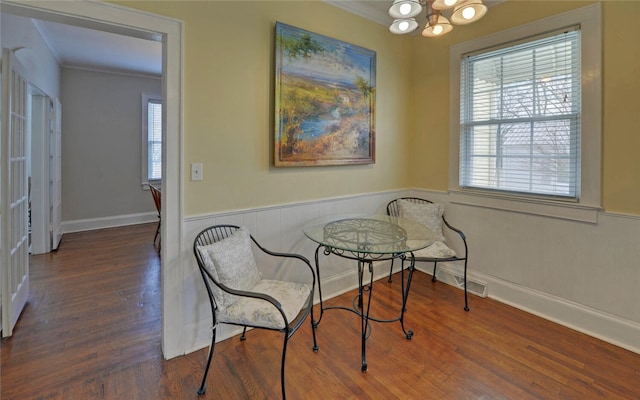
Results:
[196, 171]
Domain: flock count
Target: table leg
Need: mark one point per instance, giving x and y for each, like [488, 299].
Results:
[405, 295]
[315, 323]
[360, 285]
[364, 313]
[362, 306]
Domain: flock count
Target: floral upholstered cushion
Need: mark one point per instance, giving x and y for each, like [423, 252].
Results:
[435, 250]
[234, 265]
[429, 214]
[208, 263]
[257, 312]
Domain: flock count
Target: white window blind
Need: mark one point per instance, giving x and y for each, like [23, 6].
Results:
[154, 140]
[520, 117]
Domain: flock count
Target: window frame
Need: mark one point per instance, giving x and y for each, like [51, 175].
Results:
[586, 207]
[144, 160]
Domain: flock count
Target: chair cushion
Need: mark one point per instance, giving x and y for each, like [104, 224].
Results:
[429, 214]
[257, 312]
[234, 265]
[208, 263]
[437, 249]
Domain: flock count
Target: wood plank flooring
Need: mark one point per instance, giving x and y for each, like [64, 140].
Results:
[92, 328]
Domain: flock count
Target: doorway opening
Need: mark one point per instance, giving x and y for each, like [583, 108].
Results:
[111, 18]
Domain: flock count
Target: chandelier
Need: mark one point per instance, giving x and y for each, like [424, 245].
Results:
[463, 12]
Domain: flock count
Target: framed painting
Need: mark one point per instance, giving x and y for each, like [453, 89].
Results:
[324, 100]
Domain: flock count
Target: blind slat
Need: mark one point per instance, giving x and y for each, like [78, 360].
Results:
[520, 117]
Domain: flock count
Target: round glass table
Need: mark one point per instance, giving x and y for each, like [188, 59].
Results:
[368, 238]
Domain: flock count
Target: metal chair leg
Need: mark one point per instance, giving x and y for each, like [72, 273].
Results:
[433, 277]
[156, 236]
[157, 232]
[203, 389]
[313, 331]
[466, 300]
[284, 354]
[243, 337]
[390, 271]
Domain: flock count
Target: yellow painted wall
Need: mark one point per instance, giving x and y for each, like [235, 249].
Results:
[228, 103]
[228, 100]
[621, 107]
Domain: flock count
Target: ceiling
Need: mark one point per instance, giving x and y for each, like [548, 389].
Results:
[79, 47]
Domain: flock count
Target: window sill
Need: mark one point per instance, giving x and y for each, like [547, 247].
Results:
[546, 208]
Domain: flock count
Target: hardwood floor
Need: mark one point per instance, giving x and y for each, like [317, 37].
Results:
[92, 328]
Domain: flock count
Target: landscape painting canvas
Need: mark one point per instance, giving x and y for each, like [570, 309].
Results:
[324, 100]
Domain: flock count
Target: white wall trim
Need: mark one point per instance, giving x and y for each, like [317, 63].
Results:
[268, 224]
[290, 218]
[596, 323]
[554, 209]
[89, 224]
[593, 322]
[392, 193]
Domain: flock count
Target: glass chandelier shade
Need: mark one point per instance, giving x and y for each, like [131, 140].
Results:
[445, 4]
[442, 27]
[463, 12]
[466, 12]
[403, 26]
[405, 9]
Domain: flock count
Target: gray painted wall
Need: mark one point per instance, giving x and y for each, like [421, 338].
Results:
[101, 144]
[101, 125]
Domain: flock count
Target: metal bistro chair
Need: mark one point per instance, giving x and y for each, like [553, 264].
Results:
[157, 200]
[240, 296]
[432, 215]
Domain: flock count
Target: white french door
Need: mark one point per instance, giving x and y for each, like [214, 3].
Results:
[14, 250]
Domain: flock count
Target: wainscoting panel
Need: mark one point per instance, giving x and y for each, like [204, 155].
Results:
[278, 228]
[581, 275]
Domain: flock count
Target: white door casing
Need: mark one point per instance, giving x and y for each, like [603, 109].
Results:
[55, 171]
[39, 178]
[45, 178]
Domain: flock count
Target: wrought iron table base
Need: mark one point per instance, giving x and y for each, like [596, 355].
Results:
[358, 306]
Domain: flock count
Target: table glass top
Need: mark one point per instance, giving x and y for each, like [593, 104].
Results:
[374, 234]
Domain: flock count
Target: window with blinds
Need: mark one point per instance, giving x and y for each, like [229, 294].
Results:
[154, 140]
[520, 117]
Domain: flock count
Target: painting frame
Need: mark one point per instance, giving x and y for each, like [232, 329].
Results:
[325, 92]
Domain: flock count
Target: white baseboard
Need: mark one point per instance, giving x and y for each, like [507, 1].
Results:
[90, 224]
[606, 327]
[596, 319]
